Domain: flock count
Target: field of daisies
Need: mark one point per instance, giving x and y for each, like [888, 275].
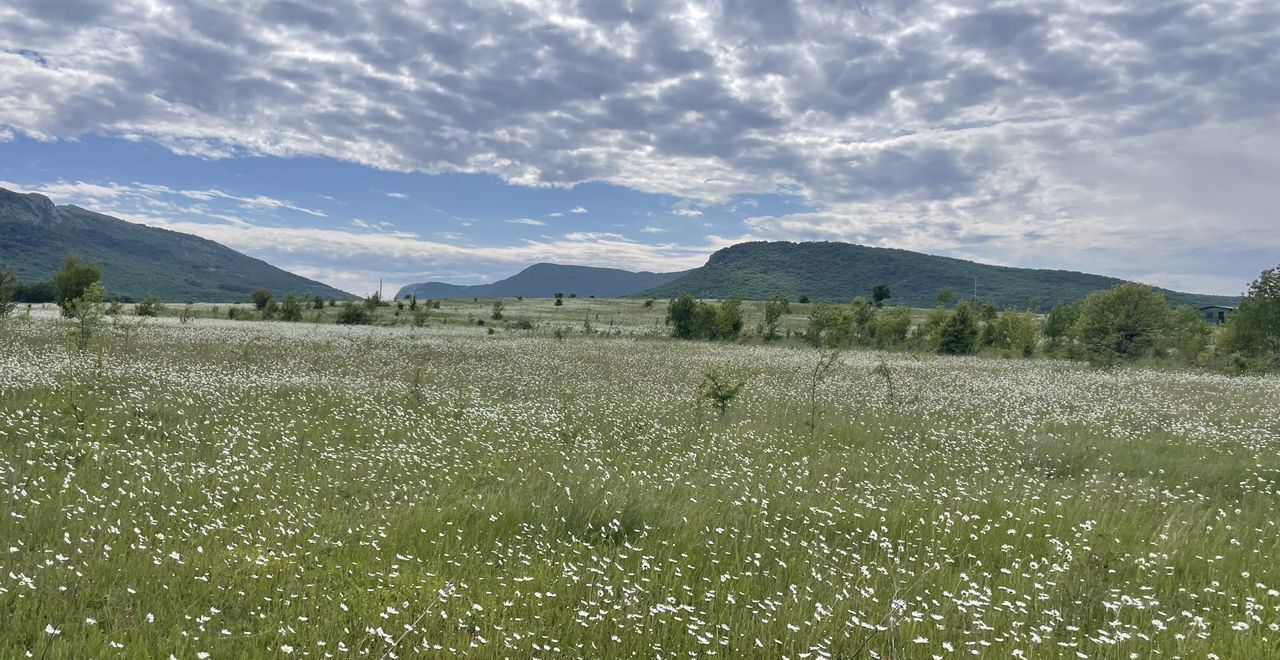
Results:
[220, 489]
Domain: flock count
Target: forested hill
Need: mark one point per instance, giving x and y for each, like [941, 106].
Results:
[544, 281]
[841, 271]
[36, 236]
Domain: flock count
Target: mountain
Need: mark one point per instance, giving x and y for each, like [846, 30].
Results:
[544, 281]
[841, 271]
[136, 260]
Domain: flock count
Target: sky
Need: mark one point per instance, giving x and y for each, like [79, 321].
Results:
[353, 140]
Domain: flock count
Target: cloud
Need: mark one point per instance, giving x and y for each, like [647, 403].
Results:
[577, 209]
[687, 213]
[527, 221]
[397, 195]
[954, 118]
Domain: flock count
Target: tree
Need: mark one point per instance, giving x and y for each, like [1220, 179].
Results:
[945, 296]
[959, 332]
[73, 281]
[498, 306]
[803, 300]
[1057, 325]
[87, 309]
[291, 308]
[880, 293]
[719, 390]
[260, 298]
[680, 315]
[1124, 321]
[1254, 328]
[728, 319]
[317, 302]
[1188, 334]
[774, 310]
[8, 289]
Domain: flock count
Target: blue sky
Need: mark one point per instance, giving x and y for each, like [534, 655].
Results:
[462, 140]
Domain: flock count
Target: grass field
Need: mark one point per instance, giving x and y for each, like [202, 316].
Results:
[260, 489]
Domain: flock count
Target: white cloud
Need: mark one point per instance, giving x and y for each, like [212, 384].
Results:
[956, 120]
[527, 221]
[687, 213]
[577, 209]
[397, 195]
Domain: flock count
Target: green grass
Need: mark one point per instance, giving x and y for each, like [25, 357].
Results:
[518, 495]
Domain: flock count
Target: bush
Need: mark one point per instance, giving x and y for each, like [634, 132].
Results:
[891, 327]
[291, 309]
[150, 306]
[353, 314]
[498, 306]
[695, 319]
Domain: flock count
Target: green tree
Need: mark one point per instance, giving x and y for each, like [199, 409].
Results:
[1188, 335]
[680, 315]
[774, 310]
[826, 326]
[880, 293]
[862, 315]
[959, 332]
[1058, 323]
[498, 306]
[8, 289]
[88, 310]
[945, 296]
[260, 298]
[291, 308]
[1254, 328]
[1124, 321]
[729, 319]
[73, 281]
[317, 303]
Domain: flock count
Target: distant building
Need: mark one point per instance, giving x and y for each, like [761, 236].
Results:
[1216, 313]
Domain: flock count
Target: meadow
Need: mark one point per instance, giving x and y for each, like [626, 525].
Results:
[230, 489]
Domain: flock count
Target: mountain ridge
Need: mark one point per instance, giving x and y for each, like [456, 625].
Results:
[36, 235]
[828, 270]
[543, 280]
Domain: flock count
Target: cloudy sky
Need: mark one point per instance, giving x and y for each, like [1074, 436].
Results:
[459, 141]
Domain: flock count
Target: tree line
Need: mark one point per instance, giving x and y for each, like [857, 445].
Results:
[1127, 323]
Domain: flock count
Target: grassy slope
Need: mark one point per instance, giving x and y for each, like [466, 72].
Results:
[841, 271]
[137, 260]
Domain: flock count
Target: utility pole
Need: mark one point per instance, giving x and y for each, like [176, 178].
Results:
[975, 287]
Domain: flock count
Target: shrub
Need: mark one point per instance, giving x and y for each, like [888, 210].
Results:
[291, 309]
[317, 303]
[891, 327]
[150, 306]
[498, 306]
[353, 314]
